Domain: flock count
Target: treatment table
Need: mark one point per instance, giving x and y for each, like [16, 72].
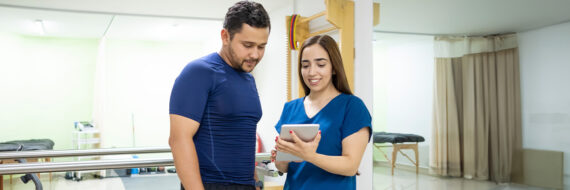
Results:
[399, 141]
[25, 145]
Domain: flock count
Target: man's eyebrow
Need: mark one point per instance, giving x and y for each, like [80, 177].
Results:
[250, 42]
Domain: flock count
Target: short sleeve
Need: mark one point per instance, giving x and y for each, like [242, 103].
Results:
[356, 117]
[190, 91]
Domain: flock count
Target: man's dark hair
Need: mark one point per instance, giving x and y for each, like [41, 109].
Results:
[248, 12]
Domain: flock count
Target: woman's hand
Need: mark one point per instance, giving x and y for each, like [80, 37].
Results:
[298, 147]
[281, 166]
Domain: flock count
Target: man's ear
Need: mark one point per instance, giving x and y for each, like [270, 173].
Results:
[225, 37]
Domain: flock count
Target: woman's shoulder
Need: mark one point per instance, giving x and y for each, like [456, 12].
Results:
[294, 102]
[352, 100]
[350, 97]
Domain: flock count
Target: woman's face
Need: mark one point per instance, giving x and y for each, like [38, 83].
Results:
[316, 68]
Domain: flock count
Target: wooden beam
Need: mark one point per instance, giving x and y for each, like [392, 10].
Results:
[376, 14]
[335, 12]
[346, 13]
[307, 19]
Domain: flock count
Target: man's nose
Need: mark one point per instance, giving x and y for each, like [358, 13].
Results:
[255, 53]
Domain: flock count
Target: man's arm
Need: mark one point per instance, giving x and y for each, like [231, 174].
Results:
[182, 131]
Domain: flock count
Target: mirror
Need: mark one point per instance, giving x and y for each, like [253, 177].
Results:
[93, 62]
[404, 75]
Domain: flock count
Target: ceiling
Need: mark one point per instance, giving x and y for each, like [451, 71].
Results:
[215, 9]
[471, 18]
[191, 20]
[180, 20]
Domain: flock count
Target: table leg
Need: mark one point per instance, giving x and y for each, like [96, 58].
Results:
[394, 155]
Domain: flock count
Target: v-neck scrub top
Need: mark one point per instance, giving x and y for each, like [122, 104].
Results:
[343, 116]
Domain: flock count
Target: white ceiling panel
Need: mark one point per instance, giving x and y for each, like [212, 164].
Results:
[156, 20]
[163, 29]
[475, 17]
[89, 18]
[213, 9]
[57, 24]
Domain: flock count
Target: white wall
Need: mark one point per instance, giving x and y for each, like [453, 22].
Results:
[139, 79]
[363, 80]
[403, 76]
[46, 84]
[544, 65]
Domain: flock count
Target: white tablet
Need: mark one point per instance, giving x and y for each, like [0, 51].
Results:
[306, 132]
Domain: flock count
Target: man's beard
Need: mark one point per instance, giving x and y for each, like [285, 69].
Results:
[238, 64]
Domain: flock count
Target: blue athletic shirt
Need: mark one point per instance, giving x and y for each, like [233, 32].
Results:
[226, 104]
[343, 116]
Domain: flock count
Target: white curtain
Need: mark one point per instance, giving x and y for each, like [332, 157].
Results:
[477, 123]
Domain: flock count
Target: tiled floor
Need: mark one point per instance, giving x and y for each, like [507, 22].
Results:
[151, 181]
[402, 180]
[408, 180]
[58, 182]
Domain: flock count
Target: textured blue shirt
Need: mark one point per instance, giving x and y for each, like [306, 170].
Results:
[226, 104]
[343, 116]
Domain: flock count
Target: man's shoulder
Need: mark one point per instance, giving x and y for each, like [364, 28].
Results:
[206, 64]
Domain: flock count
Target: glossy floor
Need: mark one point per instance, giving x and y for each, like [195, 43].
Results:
[402, 180]
[58, 182]
[408, 180]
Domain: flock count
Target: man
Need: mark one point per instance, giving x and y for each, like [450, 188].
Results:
[215, 107]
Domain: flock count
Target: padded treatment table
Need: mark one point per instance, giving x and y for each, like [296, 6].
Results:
[24, 145]
[399, 141]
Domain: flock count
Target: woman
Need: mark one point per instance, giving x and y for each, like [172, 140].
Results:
[331, 160]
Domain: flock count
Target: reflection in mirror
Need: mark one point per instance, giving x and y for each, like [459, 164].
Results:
[66, 66]
[408, 40]
[114, 69]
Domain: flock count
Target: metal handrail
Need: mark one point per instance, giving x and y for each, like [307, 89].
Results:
[40, 167]
[82, 165]
[86, 152]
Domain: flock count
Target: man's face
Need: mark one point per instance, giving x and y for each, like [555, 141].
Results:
[247, 47]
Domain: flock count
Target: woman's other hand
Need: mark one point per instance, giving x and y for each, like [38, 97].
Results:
[280, 165]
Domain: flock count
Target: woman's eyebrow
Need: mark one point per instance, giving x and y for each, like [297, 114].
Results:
[316, 59]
